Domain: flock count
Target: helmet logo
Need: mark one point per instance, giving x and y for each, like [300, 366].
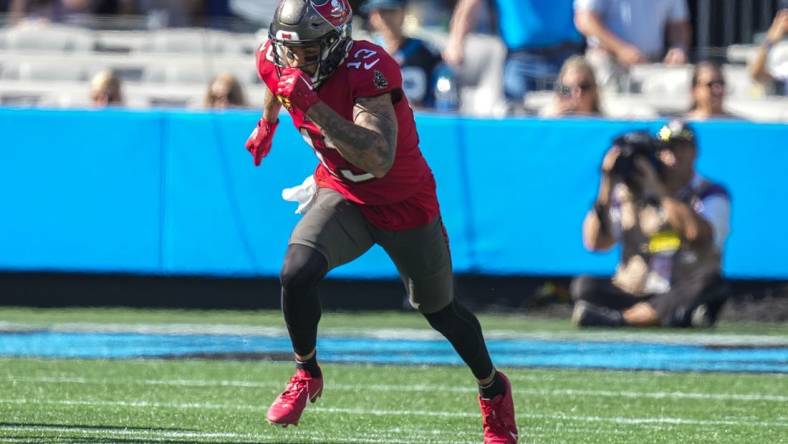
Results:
[336, 12]
[337, 9]
[286, 35]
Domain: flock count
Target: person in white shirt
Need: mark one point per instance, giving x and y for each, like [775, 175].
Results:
[623, 33]
[771, 67]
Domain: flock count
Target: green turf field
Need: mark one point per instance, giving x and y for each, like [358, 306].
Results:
[52, 400]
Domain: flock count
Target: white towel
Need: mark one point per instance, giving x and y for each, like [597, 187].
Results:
[304, 194]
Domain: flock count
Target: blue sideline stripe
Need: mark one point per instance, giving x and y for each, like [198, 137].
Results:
[506, 353]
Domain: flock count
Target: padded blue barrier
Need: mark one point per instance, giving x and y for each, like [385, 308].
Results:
[174, 192]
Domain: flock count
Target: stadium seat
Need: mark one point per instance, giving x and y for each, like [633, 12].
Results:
[192, 41]
[740, 54]
[121, 41]
[43, 70]
[768, 109]
[665, 105]
[614, 106]
[173, 96]
[675, 81]
[51, 65]
[662, 80]
[36, 93]
[738, 81]
[43, 37]
[628, 106]
[537, 100]
[192, 71]
[248, 43]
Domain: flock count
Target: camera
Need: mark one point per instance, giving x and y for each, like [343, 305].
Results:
[633, 145]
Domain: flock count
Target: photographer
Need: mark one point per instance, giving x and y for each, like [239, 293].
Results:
[672, 225]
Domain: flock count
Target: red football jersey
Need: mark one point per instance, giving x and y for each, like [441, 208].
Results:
[405, 197]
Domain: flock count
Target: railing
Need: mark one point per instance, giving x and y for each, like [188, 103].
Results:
[718, 24]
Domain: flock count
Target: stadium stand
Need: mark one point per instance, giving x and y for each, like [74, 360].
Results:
[192, 41]
[50, 65]
[47, 37]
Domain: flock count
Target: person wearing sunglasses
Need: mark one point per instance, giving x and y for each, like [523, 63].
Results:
[576, 92]
[708, 93]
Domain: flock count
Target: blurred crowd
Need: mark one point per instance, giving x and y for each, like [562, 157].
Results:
[577, 52]
[158, 13]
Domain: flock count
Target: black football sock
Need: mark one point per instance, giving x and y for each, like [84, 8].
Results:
[464, 332]
[303, 269]
[494, 388]
[311, 366]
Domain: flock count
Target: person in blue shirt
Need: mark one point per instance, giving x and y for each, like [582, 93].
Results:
[539, 36]
[418, 60]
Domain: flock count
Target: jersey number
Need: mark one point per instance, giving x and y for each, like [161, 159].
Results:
[364, 58]
[318, 142]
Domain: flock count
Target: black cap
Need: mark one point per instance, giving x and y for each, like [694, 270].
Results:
[676, 131]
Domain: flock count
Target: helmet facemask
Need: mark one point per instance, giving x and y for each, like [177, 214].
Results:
[298, 25]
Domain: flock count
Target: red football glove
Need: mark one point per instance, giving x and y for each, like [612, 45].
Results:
[295, 90]
[259, 142]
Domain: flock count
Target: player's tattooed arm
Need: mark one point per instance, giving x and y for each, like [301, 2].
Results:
[370, 140]
[271, 105]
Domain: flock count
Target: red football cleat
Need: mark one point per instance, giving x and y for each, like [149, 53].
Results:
[289, 405]
[498, 417]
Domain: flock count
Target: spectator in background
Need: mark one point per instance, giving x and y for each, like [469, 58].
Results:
[72, 12]
[671, 223]
[416, 58]
[708, 93]
[539, 36]
[623, 33]
[224, 91]
[105, 90]
[777, 75]
[46, 10]
[576, 91]
[170, 13]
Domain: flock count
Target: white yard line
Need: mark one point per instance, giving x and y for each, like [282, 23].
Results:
[125, 432]
[695, 338]
[368, 437]
[418, 388]
[671, 421]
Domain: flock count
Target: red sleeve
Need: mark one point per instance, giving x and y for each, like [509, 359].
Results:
[374, 72]
[264, 60]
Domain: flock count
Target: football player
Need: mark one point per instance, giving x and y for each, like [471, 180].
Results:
[373, 187]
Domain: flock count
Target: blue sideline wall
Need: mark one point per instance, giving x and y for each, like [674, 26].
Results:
[172, 192]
